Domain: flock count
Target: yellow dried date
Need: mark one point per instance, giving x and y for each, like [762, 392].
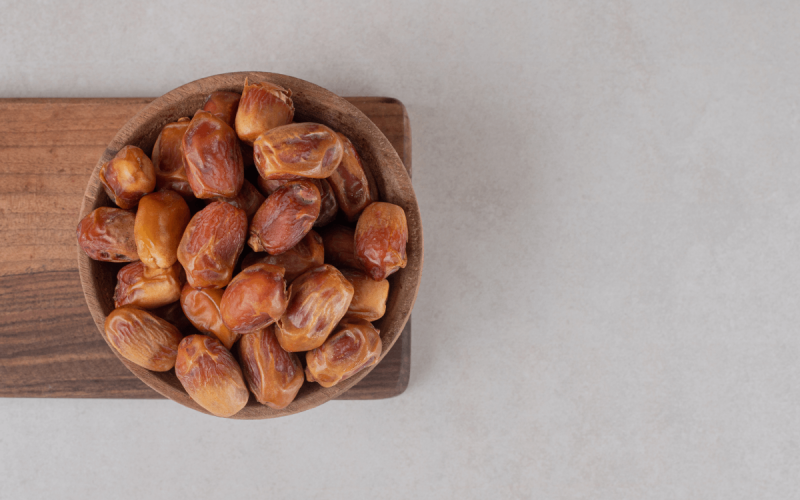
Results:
[168, 159]
[158, 228]
[223, 105]
[263, 106]
[128, 176]
[369, 296]
[272, 374]
[254, 299]
[355, 345]
[380, 240]
[211, 375]
[285, 218]
[213, 159]
[317, 301]
[148, 288]
[143, 338]
[201, 307]
[106, 235]
[211, 244]
[309, 150]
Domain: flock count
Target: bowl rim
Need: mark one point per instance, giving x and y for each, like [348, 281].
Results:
[320, 100]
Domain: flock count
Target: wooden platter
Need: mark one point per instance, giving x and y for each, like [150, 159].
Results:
[49, 345]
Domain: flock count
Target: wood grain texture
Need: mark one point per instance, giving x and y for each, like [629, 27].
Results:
[49, 345]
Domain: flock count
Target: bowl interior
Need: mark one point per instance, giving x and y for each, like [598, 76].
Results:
[314, 104]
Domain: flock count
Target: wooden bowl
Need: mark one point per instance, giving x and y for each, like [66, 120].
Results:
[313, 104]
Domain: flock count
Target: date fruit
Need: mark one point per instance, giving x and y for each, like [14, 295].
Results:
[254, 299]
[299, 149]
[211, 244]
[329, 207]
[273, 374]
[249, 199]
[168, 159]
[159, 225]
[148, 288]
[369, 296]
[340, 246]
[317, 301]
[263, 106]
[106, 235]
[355, 345]
[381, 236]
[201, 306]
[212, 157]
[223, 105]
[306, 255]
[350, 183]
[143, 338]
[285, 218]
[211, 375]
[128, 176]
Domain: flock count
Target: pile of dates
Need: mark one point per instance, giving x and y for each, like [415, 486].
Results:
[193, 298]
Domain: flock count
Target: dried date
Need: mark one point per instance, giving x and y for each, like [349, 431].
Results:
[272, 374]
[143, 338]
[355, 345]
[263, 106]
[106, 235]
[299, 149]
[307, 254]
[380, 240]
[201, 307]
[168, 159]
[369, 296]
[350, 183]
[254, 299]
[223, 105]
[212, 157]
[159, 225]
[285, 218]
[148, 288]
[128, 176]
[340, 246]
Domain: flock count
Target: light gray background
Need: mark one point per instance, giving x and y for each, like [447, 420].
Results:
[610, 195]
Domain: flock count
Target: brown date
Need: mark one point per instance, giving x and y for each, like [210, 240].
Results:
[173, 314]
[317, 301]
[299, 149]
[159, 225]
[211, 375]
[340, 246]
[263, 106]
[285, 218]
[128, 176]
[329, 207]
[273, 374]
[355, 345]
[212, 157]
[143, 338]
[106, 234]
[211, 244]
[307, 254]
[350, 183]
[381, 236]
[148, 288]
[223, 105]
[254, 299]
[201, 306]
[168, 159]
[249, 199]
[268, 187]
[369, 296]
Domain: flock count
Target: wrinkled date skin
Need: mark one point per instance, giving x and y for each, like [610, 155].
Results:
[211, 244]
[285, 218]
[328, 204]
[254, 299]
[148, 288]
[300, 149]
[159, 225]
[106, 235]
[340, 246]
[201, 306]
[273, 374]
[128, 176]
[223, 105]
[263, 106]
[212, 157]
[317, 301]
[249, 199]
[381, 237]
[306, 255]
[350, 183]
[174, 315]
[369, 296]
[211, 375]
[355, 345]
[168, 159]
[143, 338]
[268, 187]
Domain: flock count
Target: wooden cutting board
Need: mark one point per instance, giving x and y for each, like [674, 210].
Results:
[49, 345]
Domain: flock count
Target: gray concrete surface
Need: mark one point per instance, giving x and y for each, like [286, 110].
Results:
[611, 199]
